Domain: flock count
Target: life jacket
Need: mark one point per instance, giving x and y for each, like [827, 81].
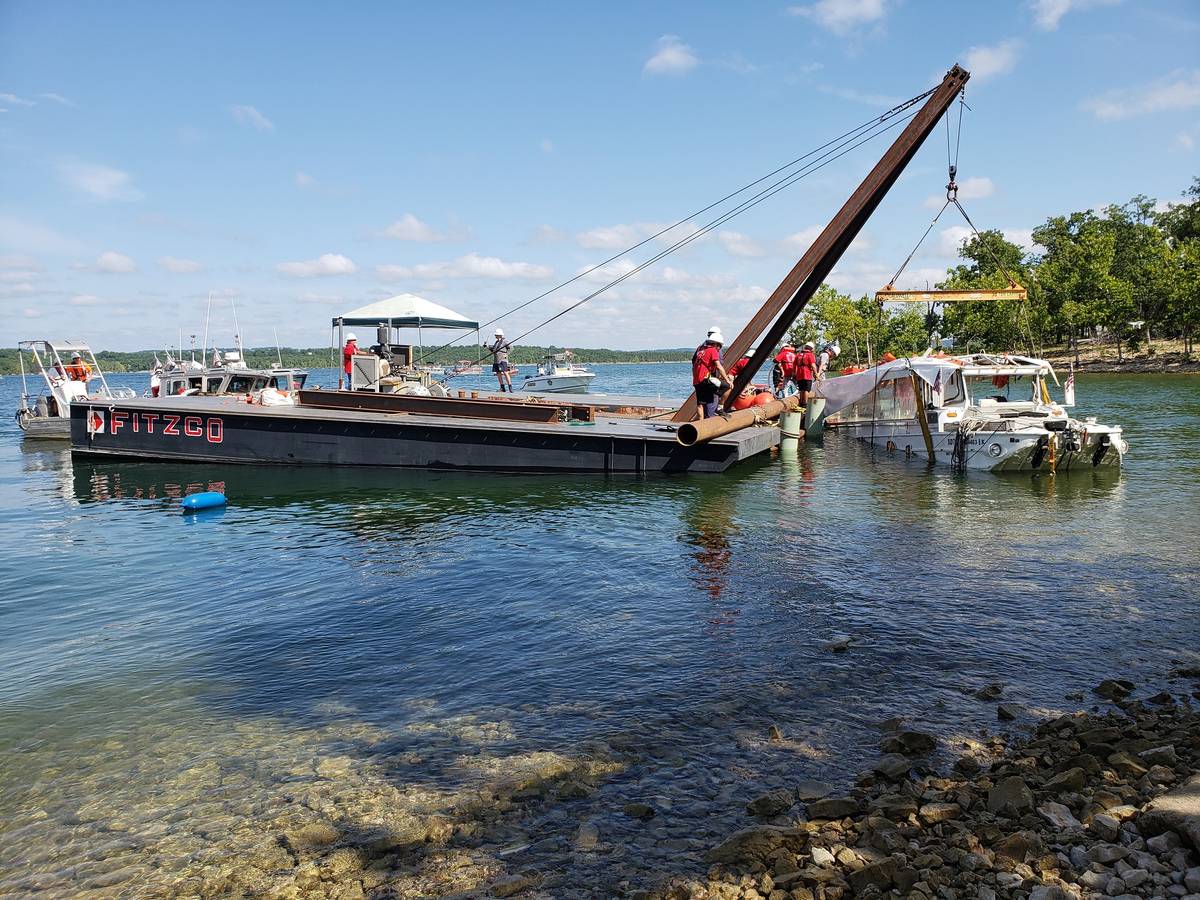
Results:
[78, 372]
[703, 362]
[806, 365]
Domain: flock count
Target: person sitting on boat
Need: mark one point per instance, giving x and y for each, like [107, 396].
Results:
[784, 369]
[806, 370]
[348, 352]
[709, 377]
[77, 369]
[828, 355]
[499, 349]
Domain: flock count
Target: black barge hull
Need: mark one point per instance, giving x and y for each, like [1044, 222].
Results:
[229, 430]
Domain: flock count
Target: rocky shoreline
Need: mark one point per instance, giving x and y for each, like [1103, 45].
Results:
[1090, 805]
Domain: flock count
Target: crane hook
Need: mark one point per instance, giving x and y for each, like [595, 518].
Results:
[952, 186]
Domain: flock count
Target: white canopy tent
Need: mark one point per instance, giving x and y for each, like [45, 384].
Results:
[403, 311]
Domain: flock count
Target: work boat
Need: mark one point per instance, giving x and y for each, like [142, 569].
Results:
[228, 374]
[58, 381]
[979, 411]
[558, 374]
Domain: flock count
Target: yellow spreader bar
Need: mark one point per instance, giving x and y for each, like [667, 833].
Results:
[894, 296]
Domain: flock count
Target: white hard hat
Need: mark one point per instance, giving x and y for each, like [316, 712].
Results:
[809, 345]
[499, 332]
[352, 336]
[715, 336]
[76, 355]
[751, 351]
[835, 348]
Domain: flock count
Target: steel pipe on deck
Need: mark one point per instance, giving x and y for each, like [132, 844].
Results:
[692, 433]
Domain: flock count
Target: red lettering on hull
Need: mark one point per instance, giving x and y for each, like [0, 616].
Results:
[170, 424]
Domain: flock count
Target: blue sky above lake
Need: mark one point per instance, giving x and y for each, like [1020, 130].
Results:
[306, 159]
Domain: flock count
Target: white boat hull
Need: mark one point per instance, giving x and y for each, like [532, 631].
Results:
[999, 451]
[575, 383]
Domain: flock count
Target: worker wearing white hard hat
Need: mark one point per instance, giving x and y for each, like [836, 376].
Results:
[806, 371]
[709, 378]
[499, 349]
[830, 353]
[348, 353]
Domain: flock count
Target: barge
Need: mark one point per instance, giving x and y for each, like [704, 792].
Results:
[340, 428]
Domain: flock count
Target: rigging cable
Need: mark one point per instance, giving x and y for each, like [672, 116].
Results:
[850, 135]
[715, 223]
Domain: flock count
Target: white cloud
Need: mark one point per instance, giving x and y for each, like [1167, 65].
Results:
[30, 312]
[56, 98]
[248, 115]
[548, 234]
[547, 145]
[951, 239]
[100, 182]
[1048, 13]
[409, 228]
[16, 101]
[1022, 237]
[85, 300]
[842, 16]
[618, 237]
[472, 265]
[803, 239]
[1178, 91]
[739, 244]
[19, 234]
[115, 263]
[1185, 141]
[18, 261]
[673, 57]
[668, 276]
[855, 96]
[304, 180]
[976, 188]
[179, 266]
[325, 264]
[985, 62]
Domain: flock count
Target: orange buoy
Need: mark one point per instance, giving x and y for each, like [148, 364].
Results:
[888, 357]
[744, 400]
[762, 399]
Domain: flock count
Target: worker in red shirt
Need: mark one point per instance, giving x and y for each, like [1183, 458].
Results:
[784, 369]
[806, 371]
[709, 378]
[348, 353]
[736, 369]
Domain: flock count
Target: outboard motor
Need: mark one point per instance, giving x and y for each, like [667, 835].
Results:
[1102, 446]
[1039, 452]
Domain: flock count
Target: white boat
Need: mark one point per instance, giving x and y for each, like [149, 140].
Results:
[558, 374]
[980, 411]
[47, 413]
[227, 374]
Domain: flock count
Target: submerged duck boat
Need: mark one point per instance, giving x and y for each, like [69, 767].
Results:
[978, 411]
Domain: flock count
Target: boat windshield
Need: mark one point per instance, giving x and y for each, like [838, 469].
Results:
[890, 401]
[1003, 388]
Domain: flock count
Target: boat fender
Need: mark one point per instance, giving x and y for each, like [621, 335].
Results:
[203, 500]
[762, 399]
[744, 400]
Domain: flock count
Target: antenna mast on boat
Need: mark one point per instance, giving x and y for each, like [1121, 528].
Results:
[237, 329]
[207, 317]
[278, 352]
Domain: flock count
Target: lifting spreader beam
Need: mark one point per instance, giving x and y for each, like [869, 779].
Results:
[789, 299]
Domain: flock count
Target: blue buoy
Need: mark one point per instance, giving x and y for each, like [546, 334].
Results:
[205, 500]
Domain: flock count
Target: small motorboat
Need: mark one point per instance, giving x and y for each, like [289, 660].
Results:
[68, 371]
[976, 411]
[558, 374]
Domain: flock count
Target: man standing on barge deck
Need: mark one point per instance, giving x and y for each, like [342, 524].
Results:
[499, 349]
[709, 377]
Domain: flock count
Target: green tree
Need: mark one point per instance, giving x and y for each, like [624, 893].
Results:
[991, 260]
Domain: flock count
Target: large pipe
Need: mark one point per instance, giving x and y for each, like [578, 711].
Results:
[692, 433]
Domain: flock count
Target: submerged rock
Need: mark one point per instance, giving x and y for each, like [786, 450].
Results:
[1113, 689]
[771, 804]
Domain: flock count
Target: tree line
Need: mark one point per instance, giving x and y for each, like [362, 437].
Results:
[1126, 275]
[320, 357]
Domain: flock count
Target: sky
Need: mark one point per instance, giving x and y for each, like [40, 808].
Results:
[302, 159]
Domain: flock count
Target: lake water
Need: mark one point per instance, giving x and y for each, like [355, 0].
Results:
[485, 661]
